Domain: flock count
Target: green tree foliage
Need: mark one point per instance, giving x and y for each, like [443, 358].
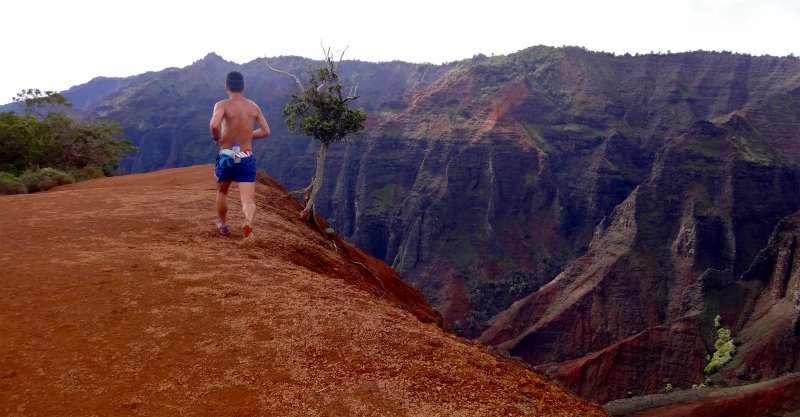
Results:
[321, 111]
[41, 103]
[724, 350]
[45, 137]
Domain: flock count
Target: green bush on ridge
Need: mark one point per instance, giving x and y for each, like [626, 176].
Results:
[44, 147]
[45, 179]
[10, 184]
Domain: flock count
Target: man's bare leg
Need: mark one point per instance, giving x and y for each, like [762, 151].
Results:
[248, 194]
[222, 202]
[247, 191]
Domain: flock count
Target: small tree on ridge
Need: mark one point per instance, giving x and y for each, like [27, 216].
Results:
[321, 112]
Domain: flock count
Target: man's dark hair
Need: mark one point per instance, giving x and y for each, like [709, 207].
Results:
[235, 81]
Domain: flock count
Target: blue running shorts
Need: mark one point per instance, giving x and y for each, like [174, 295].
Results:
[244, 171]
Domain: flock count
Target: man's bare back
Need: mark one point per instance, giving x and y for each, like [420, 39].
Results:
[237, 115]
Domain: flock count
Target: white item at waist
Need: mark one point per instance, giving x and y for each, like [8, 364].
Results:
[232, 154]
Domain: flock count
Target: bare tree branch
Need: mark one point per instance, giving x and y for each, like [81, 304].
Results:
[344, 100]
[327, 52]
[330, 63]
[354, 90]
[341, 57]
[352, 95]
[299, 84]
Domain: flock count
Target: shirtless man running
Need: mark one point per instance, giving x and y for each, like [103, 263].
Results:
[237, 116]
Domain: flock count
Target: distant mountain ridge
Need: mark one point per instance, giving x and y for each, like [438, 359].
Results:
[559, 202]
[84, 97]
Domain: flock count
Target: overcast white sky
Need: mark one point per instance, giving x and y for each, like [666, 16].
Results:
[54, 45]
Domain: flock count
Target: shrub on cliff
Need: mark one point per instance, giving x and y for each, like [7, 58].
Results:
[724, 351]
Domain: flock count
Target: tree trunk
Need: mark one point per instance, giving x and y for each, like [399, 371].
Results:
[310, 193]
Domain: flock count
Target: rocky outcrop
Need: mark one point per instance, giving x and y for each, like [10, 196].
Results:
[636, 313]
[639, 365]
[769, 339]
[534, 320]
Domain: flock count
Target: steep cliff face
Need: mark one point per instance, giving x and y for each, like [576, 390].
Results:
[491, 181]
[770, 327]
[637, 311]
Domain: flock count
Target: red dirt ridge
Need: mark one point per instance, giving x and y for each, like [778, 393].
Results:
[120, 297]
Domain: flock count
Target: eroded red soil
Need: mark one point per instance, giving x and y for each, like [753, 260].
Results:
[120, 297]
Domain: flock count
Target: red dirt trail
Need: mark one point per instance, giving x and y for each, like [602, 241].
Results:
[119, 297]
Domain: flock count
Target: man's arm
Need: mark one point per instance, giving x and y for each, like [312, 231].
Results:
[263, 127]
[216, 119]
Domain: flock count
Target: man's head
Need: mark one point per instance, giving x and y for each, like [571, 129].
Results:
[235, 82]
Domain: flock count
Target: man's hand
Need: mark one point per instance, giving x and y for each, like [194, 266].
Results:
[263, 128]
[217, 141]
[216, 119]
